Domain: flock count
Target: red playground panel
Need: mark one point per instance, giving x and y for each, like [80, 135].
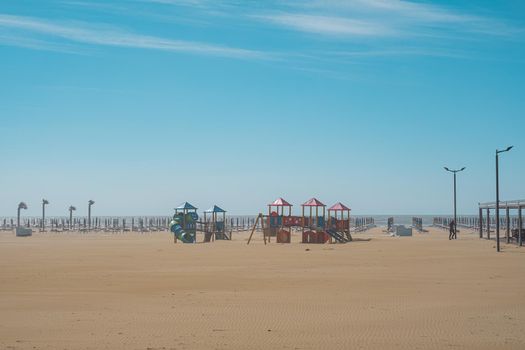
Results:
[315, 237]
[323, 237]
[342, 225]
[284, 236]
[292, 221]
[308, 236]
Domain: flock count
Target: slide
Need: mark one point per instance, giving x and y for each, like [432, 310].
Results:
[339, 237]
[176, 228]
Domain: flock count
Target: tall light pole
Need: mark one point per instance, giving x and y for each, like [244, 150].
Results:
[71, 209]
[21, 206]
[455, 210]
[44, 203]
[497, 194]
[90, 203]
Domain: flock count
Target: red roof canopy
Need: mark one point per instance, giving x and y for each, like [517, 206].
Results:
[339, 207]
[280, 202]
[314, 202]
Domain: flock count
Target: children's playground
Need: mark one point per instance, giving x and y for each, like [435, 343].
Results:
[316, 224]
[186, 223]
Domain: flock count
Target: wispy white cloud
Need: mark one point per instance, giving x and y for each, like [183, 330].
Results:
[181, 2]
[360, 31]
[415, 10]
[329, 25]
[350, 18]
[12, 39]
[399, 52]
[107, 36]
[380, 18]
[199, 3]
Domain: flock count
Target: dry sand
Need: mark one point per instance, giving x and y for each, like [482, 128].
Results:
[140, 291]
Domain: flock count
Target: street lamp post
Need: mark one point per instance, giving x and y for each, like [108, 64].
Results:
[455, 210]
[497, 194]
[90, 203]
[71, 209]
[44, 203]
[21, 206]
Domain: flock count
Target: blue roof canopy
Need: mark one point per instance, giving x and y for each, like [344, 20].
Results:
[215, 209]
[185, 205]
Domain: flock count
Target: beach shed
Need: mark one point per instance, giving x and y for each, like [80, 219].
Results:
[517, 233]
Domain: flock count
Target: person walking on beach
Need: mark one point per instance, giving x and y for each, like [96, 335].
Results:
[452, 230]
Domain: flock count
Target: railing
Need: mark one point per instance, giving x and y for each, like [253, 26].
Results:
[137, 223]
[417, 224]
[105, 224]
[462, 221]
[513, 204]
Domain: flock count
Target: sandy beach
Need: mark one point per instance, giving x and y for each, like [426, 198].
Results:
[141, 291]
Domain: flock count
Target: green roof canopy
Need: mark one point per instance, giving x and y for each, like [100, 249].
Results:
[185, 205]
[215, 209]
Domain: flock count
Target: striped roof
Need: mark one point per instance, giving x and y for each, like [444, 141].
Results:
[314, 202]
[186, 205]
[339, 207]
[215, 209]
[280, 202]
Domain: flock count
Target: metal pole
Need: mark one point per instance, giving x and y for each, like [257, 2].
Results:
[508, 223]
[43, 215]
[455, 211]
[497, 202]
[480, 223]
[455, 197]
[488, 223]
[520, 222]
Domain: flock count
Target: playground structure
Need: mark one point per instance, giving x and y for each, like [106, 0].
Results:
[339, 222]
[313, 225]
[215, 227]
[185, 224]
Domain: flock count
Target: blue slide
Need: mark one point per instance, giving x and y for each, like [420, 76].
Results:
[176, 228]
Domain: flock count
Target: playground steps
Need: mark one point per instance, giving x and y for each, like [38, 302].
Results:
[218, 236]
[223, 236]
[339, 237]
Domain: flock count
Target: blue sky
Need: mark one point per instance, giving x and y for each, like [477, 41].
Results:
[143, 104]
